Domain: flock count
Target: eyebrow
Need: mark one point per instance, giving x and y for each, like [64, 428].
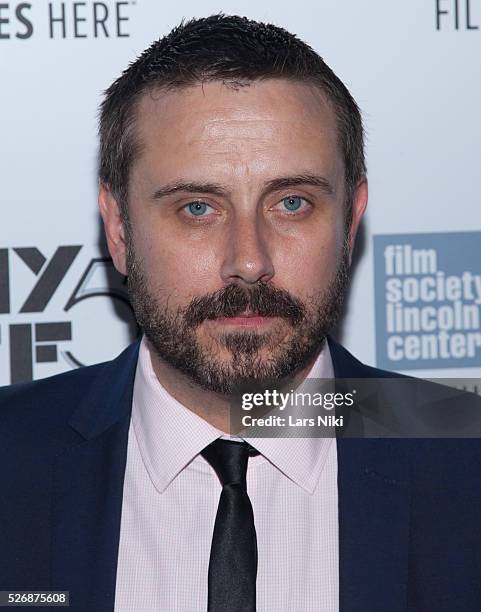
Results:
[189, 187]
[276, 184]
[287, 182]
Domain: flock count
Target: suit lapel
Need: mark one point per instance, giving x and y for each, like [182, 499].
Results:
[374, 505]
[88, 488]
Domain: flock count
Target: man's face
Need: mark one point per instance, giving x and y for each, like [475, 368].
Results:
[236, 209]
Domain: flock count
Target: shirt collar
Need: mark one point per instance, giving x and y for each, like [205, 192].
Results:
[170, 435]
[301, 459]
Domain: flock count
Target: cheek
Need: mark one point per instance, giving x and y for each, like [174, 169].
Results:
[306, 265]
[175, 268]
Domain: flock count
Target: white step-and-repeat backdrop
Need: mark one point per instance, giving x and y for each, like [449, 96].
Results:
[413, 66]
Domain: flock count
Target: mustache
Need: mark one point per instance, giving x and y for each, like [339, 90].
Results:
[263, 300]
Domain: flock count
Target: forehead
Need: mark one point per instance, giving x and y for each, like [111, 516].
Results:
[261, 129]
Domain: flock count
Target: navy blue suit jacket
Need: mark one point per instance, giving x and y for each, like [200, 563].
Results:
[409, 510]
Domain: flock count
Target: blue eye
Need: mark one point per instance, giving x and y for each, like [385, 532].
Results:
[292, 203]
[198, 208]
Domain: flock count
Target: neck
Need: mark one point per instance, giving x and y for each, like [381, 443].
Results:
[211, 406]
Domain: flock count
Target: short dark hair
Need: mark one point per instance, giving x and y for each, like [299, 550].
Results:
[232, 49]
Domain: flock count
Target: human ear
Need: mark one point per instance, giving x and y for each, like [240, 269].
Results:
[359, 203]
[114, 228]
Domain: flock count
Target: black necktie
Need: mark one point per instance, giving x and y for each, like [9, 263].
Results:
[233, 554]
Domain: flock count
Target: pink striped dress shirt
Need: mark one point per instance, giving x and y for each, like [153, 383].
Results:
[170, 501]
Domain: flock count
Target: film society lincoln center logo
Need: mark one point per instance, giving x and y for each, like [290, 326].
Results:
[428, 300]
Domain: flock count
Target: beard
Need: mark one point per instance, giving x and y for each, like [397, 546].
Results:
[172, 332]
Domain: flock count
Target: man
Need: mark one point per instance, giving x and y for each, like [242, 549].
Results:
[232, 185]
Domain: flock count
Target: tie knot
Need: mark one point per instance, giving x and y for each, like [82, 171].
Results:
[229, 460]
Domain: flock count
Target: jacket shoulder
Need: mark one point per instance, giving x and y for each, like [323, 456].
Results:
[46, 409]
[42, 402]
[348, 366]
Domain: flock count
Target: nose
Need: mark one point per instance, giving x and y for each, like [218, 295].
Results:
[247, 256]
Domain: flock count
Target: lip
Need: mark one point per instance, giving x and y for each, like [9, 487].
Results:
[245, 320]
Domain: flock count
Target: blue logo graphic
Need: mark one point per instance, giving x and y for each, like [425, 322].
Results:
[428, 300]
